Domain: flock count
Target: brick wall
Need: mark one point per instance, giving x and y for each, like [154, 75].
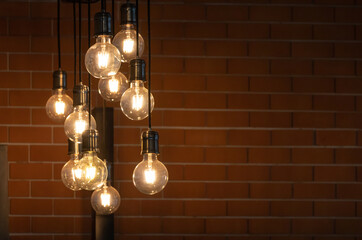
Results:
[258, 106]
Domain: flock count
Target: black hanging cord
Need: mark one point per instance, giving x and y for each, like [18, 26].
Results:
[80, 39]
[75, 44]
[103, 5]
[89, 77]
[149, 62]
[137, 28]
[113, 17]
[58, 32]
[89, 27]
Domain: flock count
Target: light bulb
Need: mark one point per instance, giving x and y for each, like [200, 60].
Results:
[71, 173]
[126, 42]
[150, 176]
[134, 101]
[94, 171]
[59, 105]
[103, 59]
[77, 122]
[112, 88]
[105, 200]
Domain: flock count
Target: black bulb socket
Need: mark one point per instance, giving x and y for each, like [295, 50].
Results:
[59, 79]
[90, 141]
[80, 95]
[128, 14]
[102, 24]
[137, 69]
[72, 147]
[149, 142]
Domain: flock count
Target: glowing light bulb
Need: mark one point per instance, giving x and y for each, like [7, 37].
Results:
[71, 173]
[112, 88]
[126, 42]
[105, 200]
[103, 59]
[77, 122]
[59, 105]
[94, 171]
[134, 101]
[150, 176]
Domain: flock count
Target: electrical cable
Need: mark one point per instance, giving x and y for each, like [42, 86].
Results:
[103, 5]
[58, 32]
[149, 62]
[137, 28]
[80, 39]
[89, 77]
[75, 44]
[89, 41]
[113, 17]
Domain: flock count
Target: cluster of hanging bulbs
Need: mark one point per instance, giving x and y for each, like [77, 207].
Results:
[85, 170]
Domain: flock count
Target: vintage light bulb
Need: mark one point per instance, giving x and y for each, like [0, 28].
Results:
[105, 200]
[112, 88]
[94, 170]
[71, 173]
[134, 101]
[59, 105]
[126, 39]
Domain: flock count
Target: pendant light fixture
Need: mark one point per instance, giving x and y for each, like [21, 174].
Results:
[59, 105]
[150, 176]
[125, 40]
[71, 173]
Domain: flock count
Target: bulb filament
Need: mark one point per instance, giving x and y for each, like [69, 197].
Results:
[80, 126]
[137, 102]
[103, 57]
[90, 173]
[76, 173]
[59, 107]
[106, 199]
[128, 45]
[113, 85]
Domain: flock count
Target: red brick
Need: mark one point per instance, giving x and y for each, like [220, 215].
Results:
[312, 226]
[168, 100]
[4, 62]
[205, 208]
[314, 191]
[230, 119]
[291, 31]
[336, 138]
[291, 173]
[33, 27]
[205, 30]
[14, 44]
[292, 137]
[185, 190]
[269, 226]
[230, 83]
[31, 62]
[205, 137]
[183, 118]
[19, 224]
[162, 208]
[270, 13]
[205, 100]
[205, 172]
[31, 206]
[183, 47]
[348, 14]
[270, 119]
[30, 134]
[14, 9]
[226, 226]
[46, 153]
[270, 84]
[270, 190]
[168, 29]
[227, 13]
[249, 137]
[333, 68]
[18, 188]
[29, 98]
[189, 82]
[334, 173]
[130, 208]
[313, 14]
[50, 189]
[248, 101]
[348, 226]
[248, 66]
[248, 173]
[312, 155]
[175, 154]
[216, 66]
[169, 65]
[334, 103]
[127, 135]
[30, 171]
[227, 190]
[222, 48]
[248, 30]
[269, 155]
[313, 120]
[334, 209]
[14, 116]
[312, 50]
[170, 136]
[181, 225]
[72, 207]
[348, 85]
[248, 208]
[291, 102]
[348, 155]
[14, 80]
[17, 153]
[225, 155]
[269, 49]
[349, 191]
[333, 32]
[305, 84]
[349, 120]
[194, 12]
[52, 225]
[291, 208]
[59, 135]
[291, 67]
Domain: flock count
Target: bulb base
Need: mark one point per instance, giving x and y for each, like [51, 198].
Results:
[74, 147]
[90, 141]
[128, 14]
[137, 70]
[149, 143]
[102, 24]
[80, 95]
[59, 79]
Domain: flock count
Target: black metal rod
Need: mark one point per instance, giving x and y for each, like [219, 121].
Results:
[149, 63]
[75, 44]
[58, 32]
[137, 30]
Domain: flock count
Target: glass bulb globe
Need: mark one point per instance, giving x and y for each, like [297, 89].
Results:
[134, 101]
[105, 200]
[103, 59]
[94, 171]
[59, 105]
[150, 176]
[71, 173]
[77, 122]
[112, 88]
[126, 42]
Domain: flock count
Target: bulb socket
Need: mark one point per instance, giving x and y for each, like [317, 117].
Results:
[102, 24]
[149, 142]
[137, 69]
[128, 14]
[72, 147]
[80, 95]
[90, 141]
[59, 79]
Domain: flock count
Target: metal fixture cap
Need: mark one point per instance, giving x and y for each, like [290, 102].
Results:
[137, 69]
[128, 14]
[72, 146]
[80, 95]
[149, 143]
[59, 79]
[102, 24]
[90, 141]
